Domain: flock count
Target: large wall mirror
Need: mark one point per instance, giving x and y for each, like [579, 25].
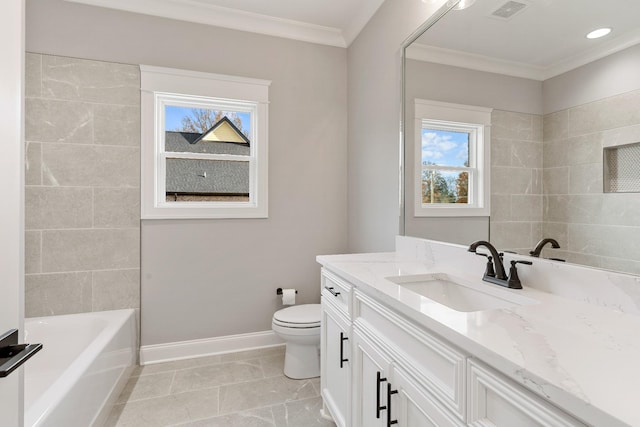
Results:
[563, 142]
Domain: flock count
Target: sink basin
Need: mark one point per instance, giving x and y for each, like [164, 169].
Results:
[461, 295]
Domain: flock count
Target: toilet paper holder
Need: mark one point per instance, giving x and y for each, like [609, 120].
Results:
[279, 291]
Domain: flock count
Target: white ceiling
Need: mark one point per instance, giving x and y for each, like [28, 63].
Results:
[330, 22]
[545, 39]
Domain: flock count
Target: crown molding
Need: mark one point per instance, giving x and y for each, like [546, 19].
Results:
[472, 61]
[364, 14]
[203, 13]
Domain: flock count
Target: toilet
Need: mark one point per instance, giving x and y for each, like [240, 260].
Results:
[299, 326]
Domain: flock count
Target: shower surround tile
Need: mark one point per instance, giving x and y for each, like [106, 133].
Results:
[82, 127]
[91, 81]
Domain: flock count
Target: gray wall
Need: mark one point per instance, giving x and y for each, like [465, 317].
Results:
[82, 213]
[207, 278]
[613, 75]
[374, 117]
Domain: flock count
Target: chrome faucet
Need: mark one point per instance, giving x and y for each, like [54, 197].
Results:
[494, 272]
[538, 249]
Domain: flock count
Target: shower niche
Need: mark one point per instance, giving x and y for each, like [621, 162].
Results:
[622, 168]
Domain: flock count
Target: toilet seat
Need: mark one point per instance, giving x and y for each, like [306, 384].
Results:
[298, 316]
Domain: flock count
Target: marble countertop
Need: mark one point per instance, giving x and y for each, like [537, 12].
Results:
[582, 357]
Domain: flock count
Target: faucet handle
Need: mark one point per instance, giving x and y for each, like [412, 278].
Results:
[514, 281]
[489, 271]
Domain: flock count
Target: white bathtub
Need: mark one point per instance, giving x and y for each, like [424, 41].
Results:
[86, 360]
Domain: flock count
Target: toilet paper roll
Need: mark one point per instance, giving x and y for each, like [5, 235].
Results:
[288, 296]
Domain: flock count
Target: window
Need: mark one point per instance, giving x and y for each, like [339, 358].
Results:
[452, 161]
[204, 145]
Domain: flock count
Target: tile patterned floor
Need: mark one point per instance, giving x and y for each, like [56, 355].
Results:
[245, 389]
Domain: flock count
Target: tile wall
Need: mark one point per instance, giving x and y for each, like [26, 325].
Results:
[594, 228]
[516, 180]
[82, 213]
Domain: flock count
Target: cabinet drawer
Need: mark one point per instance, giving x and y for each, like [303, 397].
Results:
[494, 400]
[435, 365]
[337, 290]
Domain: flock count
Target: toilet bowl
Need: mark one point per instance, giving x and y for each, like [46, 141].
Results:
[299, 327]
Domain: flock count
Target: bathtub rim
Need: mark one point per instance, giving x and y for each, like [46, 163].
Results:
[44, 404]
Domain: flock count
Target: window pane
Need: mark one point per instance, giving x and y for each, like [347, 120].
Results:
[445, 186]
[207, 180]
[207, 130]
[445, 147]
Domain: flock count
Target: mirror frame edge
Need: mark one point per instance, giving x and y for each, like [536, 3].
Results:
[430, 22]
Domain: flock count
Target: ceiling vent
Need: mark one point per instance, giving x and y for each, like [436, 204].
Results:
[509, 9]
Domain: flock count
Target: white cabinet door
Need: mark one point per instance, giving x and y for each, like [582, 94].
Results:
[335, 364]
[495, 401]
[410, 405]
[12, 212]
[370, 374]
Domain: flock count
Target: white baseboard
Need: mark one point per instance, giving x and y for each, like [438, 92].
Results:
[158, 353]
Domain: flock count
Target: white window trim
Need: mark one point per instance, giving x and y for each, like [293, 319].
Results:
[478, 118]
[158, 85]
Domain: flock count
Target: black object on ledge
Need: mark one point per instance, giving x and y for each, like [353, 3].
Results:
[12, 354]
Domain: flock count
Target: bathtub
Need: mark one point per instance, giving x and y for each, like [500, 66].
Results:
[85, 362]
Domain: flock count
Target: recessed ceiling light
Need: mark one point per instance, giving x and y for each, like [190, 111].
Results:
[600, 32]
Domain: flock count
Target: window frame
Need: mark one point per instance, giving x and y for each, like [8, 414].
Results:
[164, 86]
[457, 118]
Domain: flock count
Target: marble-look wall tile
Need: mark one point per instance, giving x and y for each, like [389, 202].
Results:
[82, 184]
[115, 289]
[91, 165]
[555, 153]
[91, 249]
[621, 209]
[556, 230]
[127, 130]
[526, 207]
[33, 164]
[49, 120]
[586, 179]
[609, 113]
[93, 81]
[555, 180]
[508, 124]
[614, 241]
[33, 75]
[500, 152]
[116, 207]
[537, 123]
[500, 207]
[32, 252]
[516, 178]
[526, 154]
[58, 207]
[508, 180]
[555, 126]
[511, 235]
[585, 149]
[621, 136]
[54, 294]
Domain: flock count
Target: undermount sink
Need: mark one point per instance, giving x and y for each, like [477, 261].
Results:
[460, 295]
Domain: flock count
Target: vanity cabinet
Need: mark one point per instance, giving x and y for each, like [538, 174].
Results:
[402, 375]
[496, 401]
[335, 360]
[386, 394]
[380, 369]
